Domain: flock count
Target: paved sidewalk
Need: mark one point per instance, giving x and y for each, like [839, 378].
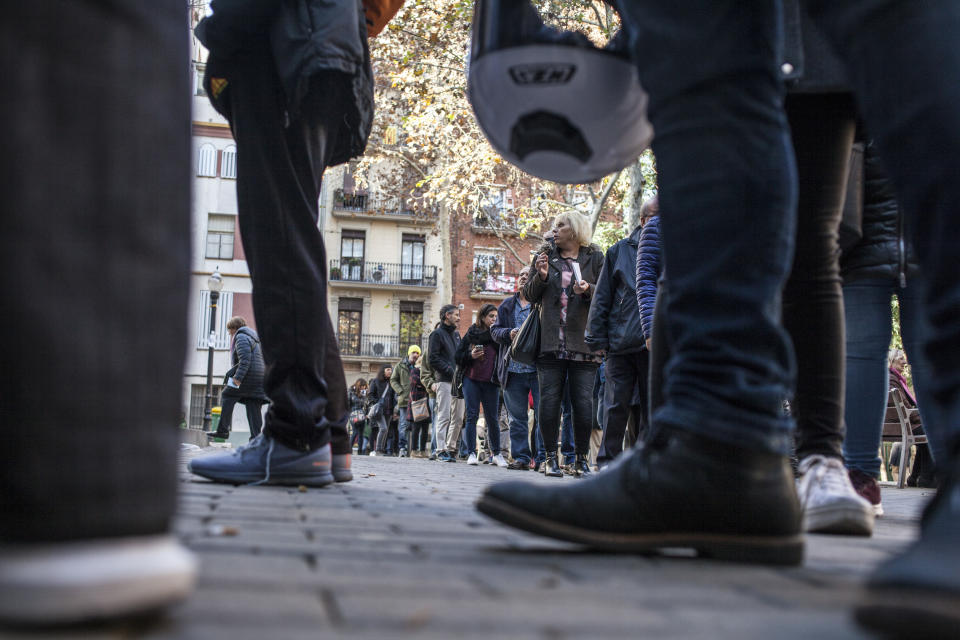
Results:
[400, 552]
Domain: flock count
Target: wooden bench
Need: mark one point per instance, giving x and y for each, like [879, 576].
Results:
[898, 428]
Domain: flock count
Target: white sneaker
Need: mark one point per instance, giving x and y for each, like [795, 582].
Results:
[373, 454]
[499, 461]
[97, 579]
[829, 502]
[472, 459]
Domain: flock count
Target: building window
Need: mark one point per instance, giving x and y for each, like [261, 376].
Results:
[220, 234]
[488, 263]
[349, 323]
[411, 324]
[198, 402]
[221, 337]
[199, 70]
[411, 258]
[351, 254]
[228, 163]
[207, 161]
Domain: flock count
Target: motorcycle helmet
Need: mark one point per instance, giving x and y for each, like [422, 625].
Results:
[549, 101]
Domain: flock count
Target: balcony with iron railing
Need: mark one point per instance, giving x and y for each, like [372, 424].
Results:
[489, 285]
[368, 346]
[369, 274]
[376, 207]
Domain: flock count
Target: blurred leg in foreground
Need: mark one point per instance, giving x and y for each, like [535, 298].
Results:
[94, 260]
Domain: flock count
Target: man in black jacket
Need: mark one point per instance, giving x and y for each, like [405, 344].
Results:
[442, 347]
[244, 380]
[295, 82]
[614, 326]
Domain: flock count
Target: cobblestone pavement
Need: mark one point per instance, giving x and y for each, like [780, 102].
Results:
[401, 552]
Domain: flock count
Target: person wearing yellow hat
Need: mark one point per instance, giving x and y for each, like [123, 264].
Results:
[400, 381]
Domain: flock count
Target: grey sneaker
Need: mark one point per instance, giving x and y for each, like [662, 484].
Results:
[341, 467]
[264, 460]
[830, 503]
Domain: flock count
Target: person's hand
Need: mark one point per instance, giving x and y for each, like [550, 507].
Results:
[434, 387]
[581, 287]
[543, 267]
[477, 352]
[513, 333]
[236, 382]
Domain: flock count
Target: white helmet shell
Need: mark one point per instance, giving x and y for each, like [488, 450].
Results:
[569, 114]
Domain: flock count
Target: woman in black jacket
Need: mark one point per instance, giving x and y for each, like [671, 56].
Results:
[358, 397]
[382, 392]
[478, 353]
[881, 265]
[565, 358]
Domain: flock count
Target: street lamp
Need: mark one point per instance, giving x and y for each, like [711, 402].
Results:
[214, 283]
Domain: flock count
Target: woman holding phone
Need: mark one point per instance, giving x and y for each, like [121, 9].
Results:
[477, 354]
[562, 282]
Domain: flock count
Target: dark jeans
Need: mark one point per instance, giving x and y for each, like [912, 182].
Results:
[868, 313]
[822, 127]
[420, 435]
[568, 447]
[516, 397]
[906, 70]
[487, 394]
[554, 375]
[728, 196]
[404, 427]
[279, 169]
[94, 268]
[623, 373]
[229, 398]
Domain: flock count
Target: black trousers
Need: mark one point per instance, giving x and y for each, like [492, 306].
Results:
[822, 128]
[94, 267]
[553, 376]
[279, 169]
[623, 373]
[229, 400]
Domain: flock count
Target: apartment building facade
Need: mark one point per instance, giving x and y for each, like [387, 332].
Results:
[387, 272]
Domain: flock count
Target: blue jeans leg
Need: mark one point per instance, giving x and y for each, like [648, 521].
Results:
[515, 396]
[432, 403]
[728, 197]
[867, 317]
[402, 428]
[476, 394]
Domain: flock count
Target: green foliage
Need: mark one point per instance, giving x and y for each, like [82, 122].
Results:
[608, 233]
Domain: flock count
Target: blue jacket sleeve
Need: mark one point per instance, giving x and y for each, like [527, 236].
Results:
[504, 325]
[597, 334]
[648, 272]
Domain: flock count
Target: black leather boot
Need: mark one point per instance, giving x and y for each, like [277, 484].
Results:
[680, 490]
[916, 594]
[551, 468]
[581, 467]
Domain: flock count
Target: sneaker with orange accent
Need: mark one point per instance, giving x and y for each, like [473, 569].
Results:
[265, 460]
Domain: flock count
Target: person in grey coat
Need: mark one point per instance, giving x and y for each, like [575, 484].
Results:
[244, 380]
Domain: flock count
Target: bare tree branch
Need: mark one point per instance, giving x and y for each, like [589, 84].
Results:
[598, 204]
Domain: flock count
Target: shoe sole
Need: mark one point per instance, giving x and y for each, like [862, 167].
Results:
[89, 581]
[850, 520]
[311, 480]
[905, 614]
[774, 550]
